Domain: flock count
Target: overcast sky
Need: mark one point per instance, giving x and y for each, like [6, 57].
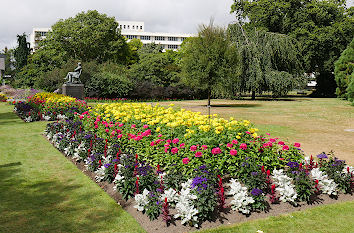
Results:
[179, 16]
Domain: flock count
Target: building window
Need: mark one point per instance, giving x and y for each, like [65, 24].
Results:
[145, 38]
[159, 38]
[120, 26]
[124, 26]
[172, 38]
[131, 37]
[128, 26]
[183, 38]
[172, 46]
[162, 46]
[133, 27]
[141, 27]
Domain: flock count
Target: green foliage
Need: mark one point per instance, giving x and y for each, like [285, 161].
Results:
[134, 46]
[207, 60]
[324, 29]
[22, 51]
[108, 84]
[268, 61]
[344, 72]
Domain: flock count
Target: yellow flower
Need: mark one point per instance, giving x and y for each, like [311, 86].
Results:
[158, 129]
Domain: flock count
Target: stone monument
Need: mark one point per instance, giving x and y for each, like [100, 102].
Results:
[73, 86]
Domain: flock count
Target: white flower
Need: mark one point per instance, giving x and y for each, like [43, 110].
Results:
[326, 185]
[28, 119]
[101, 171]
[61, 117]
[185, 208]
[171, 196]
[285, 187]
[345, 169]
[81, 148]
[141, 200]
[241, 200]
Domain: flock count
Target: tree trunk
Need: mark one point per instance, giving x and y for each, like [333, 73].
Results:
[253, 95]
[208, 98]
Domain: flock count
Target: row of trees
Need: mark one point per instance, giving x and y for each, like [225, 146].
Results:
[268, 49]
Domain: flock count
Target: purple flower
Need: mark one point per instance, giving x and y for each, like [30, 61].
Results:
[200, 182]
[322, 156]
[254, 173]
[256, 192]
[293, 164]
[107, 165]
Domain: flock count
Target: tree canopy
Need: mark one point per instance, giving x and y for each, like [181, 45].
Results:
[268, 61]
[22, 51]
[324, 29]
[344, 73]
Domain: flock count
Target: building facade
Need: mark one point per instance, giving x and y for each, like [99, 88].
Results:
[130, 30]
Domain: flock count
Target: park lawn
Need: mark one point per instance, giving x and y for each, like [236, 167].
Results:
[328, 218]
[317, 123]
[42, 191]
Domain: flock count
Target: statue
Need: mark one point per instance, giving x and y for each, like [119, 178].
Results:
[74, 77]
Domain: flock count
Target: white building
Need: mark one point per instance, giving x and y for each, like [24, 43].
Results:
[130, 30]
[37, 35]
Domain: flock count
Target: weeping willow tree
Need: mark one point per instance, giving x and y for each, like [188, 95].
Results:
[208, 60]
[267, 61]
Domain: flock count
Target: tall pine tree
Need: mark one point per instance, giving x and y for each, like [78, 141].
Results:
[22, 51]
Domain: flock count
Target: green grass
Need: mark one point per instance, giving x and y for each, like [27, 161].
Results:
[330, 218]
[41, 191]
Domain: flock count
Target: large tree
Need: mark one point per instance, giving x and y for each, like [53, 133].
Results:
[22, 51]
[207, 60]
[324, 29]
[88, 36]
[267, 61]
[344, 73]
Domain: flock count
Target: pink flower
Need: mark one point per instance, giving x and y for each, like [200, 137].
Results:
[174, 150]
[119, 135]
[234, 141]
[243, 146]
[216, 151]
[286, 147]
[169, 141]
[166, 150]
[233, 152]
[152, 143]
[160, 135]
[185, 160]
[268, 134]
[198, 154]
[193, 148]
[113, 133]
[145, 126]
[133, 126]
[281, 158]
[167, 145]
[182, 145]
[296, 144]
[96, 126]
[204, 147]
[229, 145]
[281, 143]
[272, 140]
[107, 130]
[248, 132]
[176, 140]
[120, 125]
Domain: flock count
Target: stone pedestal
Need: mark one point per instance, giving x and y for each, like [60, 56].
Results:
[74, 90]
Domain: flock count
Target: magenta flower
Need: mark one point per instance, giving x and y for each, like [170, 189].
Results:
[133, 126]
[185, 160]
[169, 141]
[119, 135]
[204, 147]
[234, 141]
[107, 130]
[229, 145]
[193, 148]
[152, 143]
[176, 140]
[146, 126]
[243, 146]
[248, 132]
[160, 135]
[174, 150]
[272, 140]
[285, 147]
[120, 125]
[216, 151]
[198, 154]
[296, 144]
[281, 143]
[233, 152]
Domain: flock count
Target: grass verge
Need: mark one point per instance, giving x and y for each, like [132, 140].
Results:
[41, 191]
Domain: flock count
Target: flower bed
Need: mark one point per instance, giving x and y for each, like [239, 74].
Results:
[49, 106]
[183, 165]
